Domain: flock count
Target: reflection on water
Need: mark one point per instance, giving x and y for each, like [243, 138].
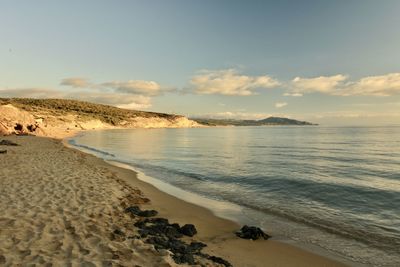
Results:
[223, 209]
[342, 182]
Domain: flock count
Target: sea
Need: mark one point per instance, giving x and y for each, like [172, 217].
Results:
[335, 190]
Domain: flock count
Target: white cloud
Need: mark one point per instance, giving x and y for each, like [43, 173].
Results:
[140, 87]
[134, 87]
[230, 82]
[31, 93]
[139, 102]
[76, 82]
[322, 84]
[109, 98]
[281, 104]
[120, 100]
[131, 94]
[293, 94]
[382, 85]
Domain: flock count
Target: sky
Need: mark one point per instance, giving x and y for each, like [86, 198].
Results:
[328, 62]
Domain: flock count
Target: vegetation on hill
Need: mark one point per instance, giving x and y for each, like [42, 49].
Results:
[267, 121]
[104, 113]
[117, 116]
[282, 121]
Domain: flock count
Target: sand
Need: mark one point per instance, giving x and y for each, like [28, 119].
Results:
[59, 207]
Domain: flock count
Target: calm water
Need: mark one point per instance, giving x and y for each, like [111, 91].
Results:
[335, 188]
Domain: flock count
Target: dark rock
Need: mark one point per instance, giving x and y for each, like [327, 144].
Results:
[196, 247]
[163, 235]
[177, 246]
[148, 213]
[158, 242]
[158, 227]
[143, 233]
[135, 210]
[184, 258]
[220, 261]
[8, 143]
[18, 127]
[32, 127]
[176, 226]
[140, 224]
[158, 221]
[188, 229]
[3, 151]
[252, 232]
[172, 232]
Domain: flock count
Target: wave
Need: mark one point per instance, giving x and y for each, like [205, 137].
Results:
[98, 151]
[164, 170]
[387, 240]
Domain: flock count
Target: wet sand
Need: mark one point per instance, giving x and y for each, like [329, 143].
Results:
[219, 233]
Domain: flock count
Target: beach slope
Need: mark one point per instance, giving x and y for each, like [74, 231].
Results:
[62, 207]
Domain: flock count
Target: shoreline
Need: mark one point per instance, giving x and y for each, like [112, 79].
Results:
[217, 229]
[65, 207]
[226, 211]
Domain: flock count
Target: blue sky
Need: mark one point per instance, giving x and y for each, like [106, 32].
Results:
[332, 62]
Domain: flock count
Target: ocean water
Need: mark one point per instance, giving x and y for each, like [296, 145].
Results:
[331, 188]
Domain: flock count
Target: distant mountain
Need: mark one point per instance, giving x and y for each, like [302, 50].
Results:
[263, 122]
[282, 121]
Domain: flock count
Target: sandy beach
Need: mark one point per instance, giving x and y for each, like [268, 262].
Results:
[61, 207]
[200, 133]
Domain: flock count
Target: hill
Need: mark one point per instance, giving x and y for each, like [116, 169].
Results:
[263, 122]
[105, 113]
[61, 117]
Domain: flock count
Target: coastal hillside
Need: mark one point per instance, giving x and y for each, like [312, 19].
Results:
[62, 117]
[263, 122]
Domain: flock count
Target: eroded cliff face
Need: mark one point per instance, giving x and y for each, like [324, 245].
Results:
[14, 120]
[178, 122]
